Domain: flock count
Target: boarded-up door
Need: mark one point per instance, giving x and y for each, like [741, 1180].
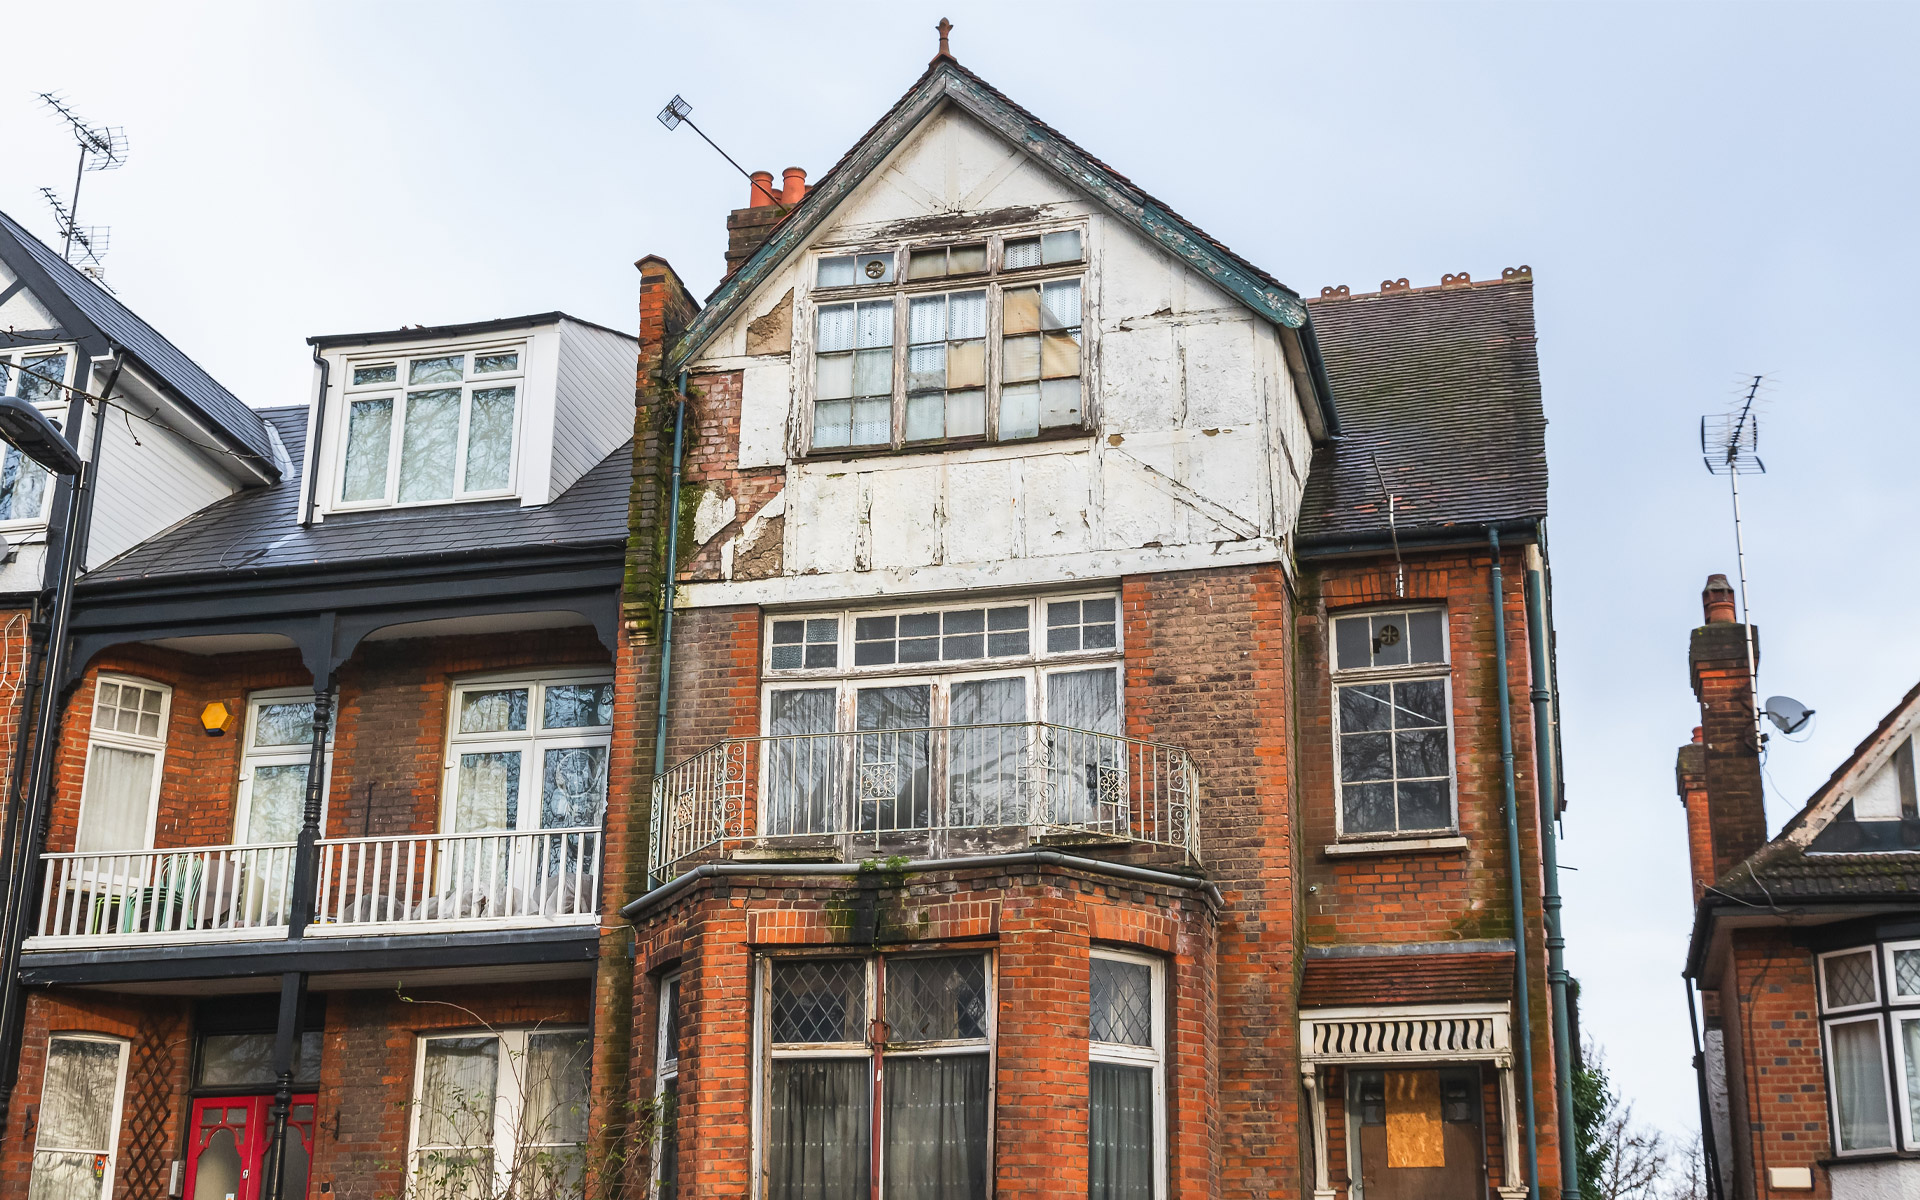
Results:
[1420, 1134]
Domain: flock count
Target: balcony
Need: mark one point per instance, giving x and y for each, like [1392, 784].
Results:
[369, 886]
[923, 793]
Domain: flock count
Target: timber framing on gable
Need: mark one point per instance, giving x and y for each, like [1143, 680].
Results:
[946, 82]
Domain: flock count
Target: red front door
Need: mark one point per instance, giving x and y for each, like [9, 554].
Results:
[229, 1148]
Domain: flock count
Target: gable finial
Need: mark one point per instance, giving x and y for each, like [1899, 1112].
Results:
[945, 27]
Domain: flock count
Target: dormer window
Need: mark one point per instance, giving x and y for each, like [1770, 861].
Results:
[35, 376]
[431, 427]
[904, 357]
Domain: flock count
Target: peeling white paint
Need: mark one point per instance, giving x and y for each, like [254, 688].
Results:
[714, 513]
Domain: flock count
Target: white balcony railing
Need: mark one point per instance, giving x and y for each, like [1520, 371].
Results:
[457, 880]
[885, 787]
[208, 893]
[364, 886]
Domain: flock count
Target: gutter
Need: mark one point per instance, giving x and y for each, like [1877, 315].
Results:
[1523, 1014]
[1520, 530]
[1024, 858]
[1546, 756]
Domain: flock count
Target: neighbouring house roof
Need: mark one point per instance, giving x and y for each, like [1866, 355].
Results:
[258, 530]
[946, 81]
[167, 362]
[1440, 387]
[423, 333]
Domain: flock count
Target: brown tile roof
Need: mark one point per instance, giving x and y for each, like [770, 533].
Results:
[1442, 386]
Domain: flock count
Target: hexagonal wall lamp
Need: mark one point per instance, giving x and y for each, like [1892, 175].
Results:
[216, 719]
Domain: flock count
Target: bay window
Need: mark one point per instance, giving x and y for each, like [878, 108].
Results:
[79, 1126]
[886, 1051]
[26, 488]
[906, 357]
[927, 718]
[1854, 1029]
[1126, 1118]
[431, 428]
[500, 1113]
[666, 1093]
[1393, 706]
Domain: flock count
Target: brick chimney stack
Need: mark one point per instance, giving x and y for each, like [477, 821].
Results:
[1718, 773]
[767, 205]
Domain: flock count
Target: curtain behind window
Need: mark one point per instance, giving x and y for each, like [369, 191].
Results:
[983, 764]
[894, 791]
[819, 1140]
[118, 800]
[936, 1128]
[1085, 700]
[1120, 1133]
[802, 772]
[1860, 1086]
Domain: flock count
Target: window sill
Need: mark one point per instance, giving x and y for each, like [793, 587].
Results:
[1429, 845]
[846, 454]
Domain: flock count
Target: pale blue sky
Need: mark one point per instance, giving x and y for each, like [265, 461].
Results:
[1703, 191]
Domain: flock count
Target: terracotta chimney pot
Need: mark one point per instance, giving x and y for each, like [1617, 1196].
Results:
[794, 186]
[1699, 734]
[760, 191]
[1717, 599]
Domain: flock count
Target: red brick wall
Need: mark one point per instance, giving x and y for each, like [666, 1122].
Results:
[1041, 925]
[1776, 1082]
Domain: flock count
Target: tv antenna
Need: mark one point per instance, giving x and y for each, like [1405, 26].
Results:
[677, 113]
[102, 148]
[1730, 444]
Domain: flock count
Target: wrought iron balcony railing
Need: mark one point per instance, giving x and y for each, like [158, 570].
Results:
[892, 788]
[433, 882]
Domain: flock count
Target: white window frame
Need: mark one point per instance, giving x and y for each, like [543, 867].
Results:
[1036, 637]
[251, 756]
[1138, 1056]
[666, 1076]
[766, 1050]
[509, 1093]
[112, 1153]
[1898, 1020]
[1416, 672]
[138, 743]
[994, 280]
[13, 360]
[1886, 1084]
[1873, 965]
[530, 741]
[398, 391]
[1894, 995]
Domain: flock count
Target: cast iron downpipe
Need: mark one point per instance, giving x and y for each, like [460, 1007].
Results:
[1548, 775]
[32, 810]
[1523, 1049]
[1709, 1154]
[319, 428]
[666, 602]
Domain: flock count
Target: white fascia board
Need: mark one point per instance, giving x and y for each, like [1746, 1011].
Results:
[184, 421]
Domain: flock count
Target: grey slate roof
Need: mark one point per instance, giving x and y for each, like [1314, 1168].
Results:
[258, 530]
[1442, 384]
[1781, 871]
[145, 343]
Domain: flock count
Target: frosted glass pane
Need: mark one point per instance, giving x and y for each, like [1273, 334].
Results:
[1020, 359]
[369, 441]
[926, 368]
[967, 260]
[837, 272]
[427, 445]
[831, 421]
[116, 800]
[967, 364]
[835, 325]
[23, 487]
[967, 315]
[875, 324]
[1059, 403]
[873, 373]
[966, 414]
[1020, 410]
[927, 319]
[834, 376]
[927, 264]
[490, 440]
[872, 422]
[437, 370]
[1061, 247]
[1060, 305]
[926, 417]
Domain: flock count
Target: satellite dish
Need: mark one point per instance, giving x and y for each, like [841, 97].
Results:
[1787, 714]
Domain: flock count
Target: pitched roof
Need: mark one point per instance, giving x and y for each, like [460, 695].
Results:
[945, 80]
[160, 356]
[258, 530]
[1441, 387]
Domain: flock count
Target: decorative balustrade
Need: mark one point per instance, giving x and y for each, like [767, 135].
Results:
[887, 788]
[203, 894]
[376, 885]
[363, 886]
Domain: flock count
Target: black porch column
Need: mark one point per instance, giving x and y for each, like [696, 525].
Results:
[293, 985]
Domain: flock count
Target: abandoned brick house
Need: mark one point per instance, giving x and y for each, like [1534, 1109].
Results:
[1019, 702]
[1806, 947]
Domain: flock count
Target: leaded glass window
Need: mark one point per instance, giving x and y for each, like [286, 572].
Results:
[1126, 1118]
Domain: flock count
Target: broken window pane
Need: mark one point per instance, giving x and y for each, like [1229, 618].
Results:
[1020, 311]
[927, 368]
[1060, 355]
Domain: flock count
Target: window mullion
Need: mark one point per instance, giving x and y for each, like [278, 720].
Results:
[897, 406]
[460, 437]
[991, 376]
[394, 439]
